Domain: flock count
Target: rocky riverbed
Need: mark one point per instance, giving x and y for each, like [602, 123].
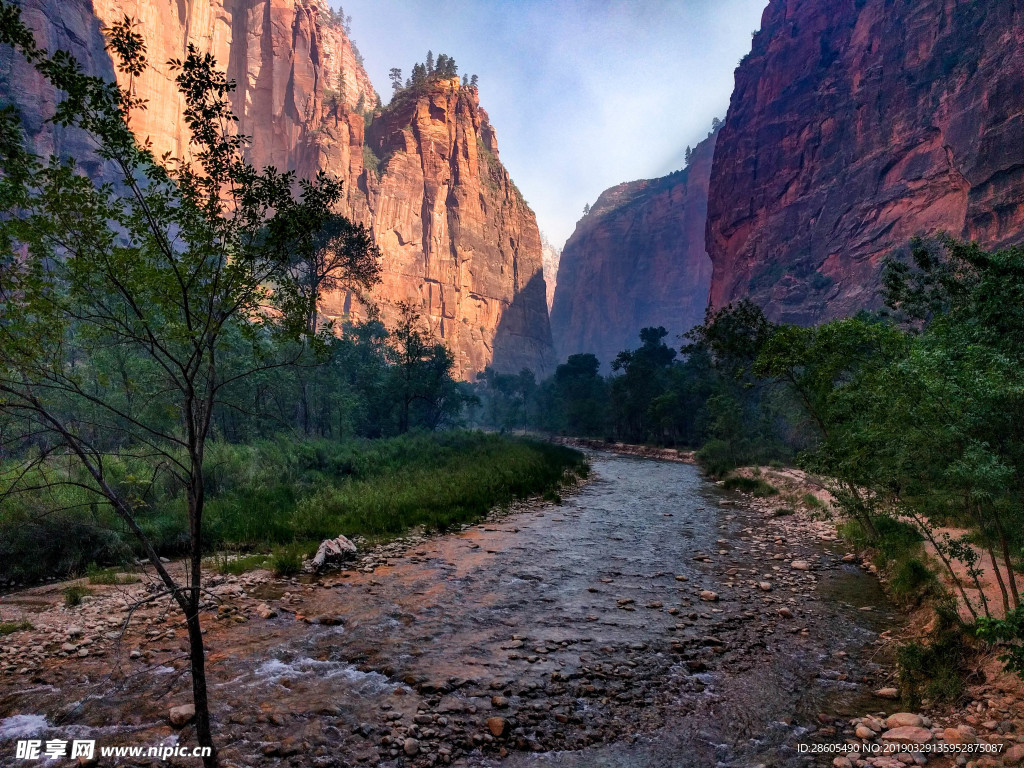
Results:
[650, 620]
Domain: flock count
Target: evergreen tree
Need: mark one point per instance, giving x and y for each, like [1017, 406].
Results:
[395, 74]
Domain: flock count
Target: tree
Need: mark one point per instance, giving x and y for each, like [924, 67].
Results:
[586, 209]
[421, 375]
[166, 265]
[473, 81]
[643, 379]
[395, 74]
[429, 65]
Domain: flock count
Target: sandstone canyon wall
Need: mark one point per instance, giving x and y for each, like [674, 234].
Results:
[637, 259]
[854, 125]
[457, 238]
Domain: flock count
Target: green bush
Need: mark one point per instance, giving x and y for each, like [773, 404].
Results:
[74, 593]
[286, 563]
[10, 627]
[910, 579]
[108, 576]
[1008, 634]
[753, 485]
[935, 670]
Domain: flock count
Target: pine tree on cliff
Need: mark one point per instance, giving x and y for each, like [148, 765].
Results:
[473, 81]
[430, 63]
[396, 78]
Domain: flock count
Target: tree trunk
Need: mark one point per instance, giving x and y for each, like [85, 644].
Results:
[197, 661]
[1005, 546]
[999, 579]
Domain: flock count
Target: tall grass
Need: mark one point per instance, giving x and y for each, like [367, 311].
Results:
[279, 492]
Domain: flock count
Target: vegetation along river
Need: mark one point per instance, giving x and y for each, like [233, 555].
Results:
[571, 635]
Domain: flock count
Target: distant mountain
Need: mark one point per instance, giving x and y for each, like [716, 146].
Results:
[636, 259]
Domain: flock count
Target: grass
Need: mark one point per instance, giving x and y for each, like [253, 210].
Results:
[812, 501]
[273, 495]
[109, 576]
[10, 627]
[935, 671]
[74, 593]
[753, 485]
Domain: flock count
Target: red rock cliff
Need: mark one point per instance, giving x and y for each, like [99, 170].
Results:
[456, 235]
[636, 260]
[854, 125]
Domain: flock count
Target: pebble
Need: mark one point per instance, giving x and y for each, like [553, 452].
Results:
[182, 715]
[908, 734]
[496, 725]
[708, 596]
[904, 719]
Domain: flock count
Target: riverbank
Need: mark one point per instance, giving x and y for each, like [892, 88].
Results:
[280, 499]
[627, 449]
[985, 728]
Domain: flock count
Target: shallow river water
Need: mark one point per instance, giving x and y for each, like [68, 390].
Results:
[581, 626]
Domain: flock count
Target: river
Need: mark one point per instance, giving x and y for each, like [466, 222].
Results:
[577, 633]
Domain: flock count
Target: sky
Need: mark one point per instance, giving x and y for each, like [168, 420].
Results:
[583, 94]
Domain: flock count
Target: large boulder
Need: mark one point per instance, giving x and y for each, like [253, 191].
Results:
[333, 550]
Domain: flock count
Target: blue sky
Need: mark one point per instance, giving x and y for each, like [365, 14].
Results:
[583, 94]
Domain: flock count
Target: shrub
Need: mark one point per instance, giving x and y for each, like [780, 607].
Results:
[753, 485]
[286, 562]
[1008, 634]
[10, 627]
[935, 670]
[74, 593]
[812, 501]
[108, 576]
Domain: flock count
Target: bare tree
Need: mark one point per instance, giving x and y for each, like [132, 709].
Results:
[171, 265]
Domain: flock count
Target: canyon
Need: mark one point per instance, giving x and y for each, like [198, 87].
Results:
[853, 127]
[458, 240]
[636, 259]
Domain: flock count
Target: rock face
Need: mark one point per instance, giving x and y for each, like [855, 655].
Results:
[855, 125]
[551, 255]
[457, 238]
[636, 260]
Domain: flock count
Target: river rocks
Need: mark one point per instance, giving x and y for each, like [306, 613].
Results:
[764, 586]
[496, 725]
[800, 565]
[182, 715]
[908, 734]
[785, 613]
[904, 719]
[863, 732]
[499, 702]
[411, 747]
[888, 693]
[1014, 755]
[709, 596]
[841, 762]
[333, 550]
